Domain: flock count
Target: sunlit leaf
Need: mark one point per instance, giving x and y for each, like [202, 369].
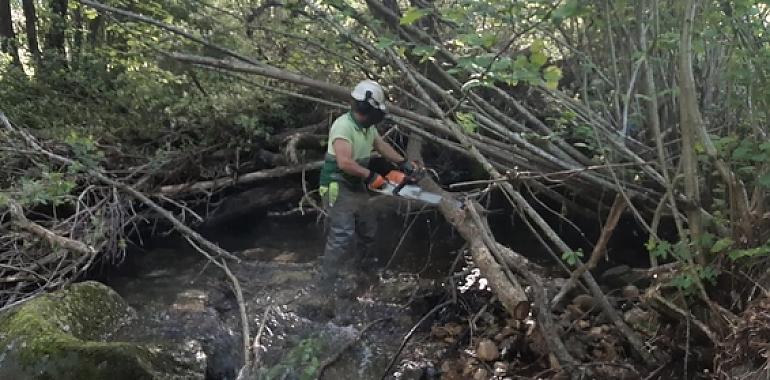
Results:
[721, 245]
[412, 14]
[538, 59]
[552, 74]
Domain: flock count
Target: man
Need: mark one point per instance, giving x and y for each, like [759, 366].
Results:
[345, 180]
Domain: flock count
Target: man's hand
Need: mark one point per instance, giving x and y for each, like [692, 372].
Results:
[412, 169]
[375, 181]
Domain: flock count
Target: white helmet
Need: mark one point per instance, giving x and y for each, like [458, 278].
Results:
[371, 92]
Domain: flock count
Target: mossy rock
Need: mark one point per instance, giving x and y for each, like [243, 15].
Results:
[64, 335]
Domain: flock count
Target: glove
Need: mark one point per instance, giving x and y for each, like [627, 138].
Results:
[374, 181]
[411, 169]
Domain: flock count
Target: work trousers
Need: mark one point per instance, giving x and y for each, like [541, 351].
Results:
[350, 230]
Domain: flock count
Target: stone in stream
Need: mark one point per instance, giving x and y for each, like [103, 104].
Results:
[622, 275]
[481, 374]
[487, 351]
[64, 336]
[641, 320]
[584, 302]
[630, 292]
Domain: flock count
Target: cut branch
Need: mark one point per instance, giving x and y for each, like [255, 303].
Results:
[52, 238]
[599, 249]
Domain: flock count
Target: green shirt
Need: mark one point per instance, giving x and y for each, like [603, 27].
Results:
[361, 140]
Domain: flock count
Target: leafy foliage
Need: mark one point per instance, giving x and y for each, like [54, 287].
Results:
[572, 257]
[302, 361]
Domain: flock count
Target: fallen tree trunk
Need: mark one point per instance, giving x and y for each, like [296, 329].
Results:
[273, 173]
[493, 260]
[252, 200]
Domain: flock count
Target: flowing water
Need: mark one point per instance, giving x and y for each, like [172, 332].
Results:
[182, 299]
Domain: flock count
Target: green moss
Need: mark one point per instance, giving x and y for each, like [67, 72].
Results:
[61, 336]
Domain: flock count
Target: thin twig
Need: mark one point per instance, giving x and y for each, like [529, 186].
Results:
[410, 333]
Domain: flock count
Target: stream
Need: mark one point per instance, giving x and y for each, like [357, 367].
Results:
[182, 299]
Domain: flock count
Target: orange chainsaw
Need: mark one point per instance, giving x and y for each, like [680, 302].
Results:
[401, 185]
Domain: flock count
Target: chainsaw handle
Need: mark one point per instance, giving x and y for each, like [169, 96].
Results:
[399, 187]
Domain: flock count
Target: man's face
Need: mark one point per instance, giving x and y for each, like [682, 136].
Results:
[369, 119]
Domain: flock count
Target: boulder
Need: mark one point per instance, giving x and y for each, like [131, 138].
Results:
[65, 336]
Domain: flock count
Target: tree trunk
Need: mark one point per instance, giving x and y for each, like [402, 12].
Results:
[77, 38]
[30, 17]
[7, 35]
[95, 31]
[689, 120]
[55, 38]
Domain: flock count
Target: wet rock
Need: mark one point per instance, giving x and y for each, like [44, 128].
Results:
[641, 320]
[448, 330]
[596, 331]
[438, 332]
[398, 288]
[287, 257]
[616, 274]
[63, 336]
[623, 275]
[487, 351]
[412, 374]
[451, 370]
[501, 368]
[256, 253]
[470, 368]
[191, 300]
[584, 302]
[504, 333]
[285, 277]
[635, 316]
[481, 374]
[630, 292]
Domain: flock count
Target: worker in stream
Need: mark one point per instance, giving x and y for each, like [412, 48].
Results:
[346, 180]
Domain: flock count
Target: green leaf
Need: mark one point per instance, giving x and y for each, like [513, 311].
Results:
[683, 281]
[537, 46]
[764, 180]
[412, 14]
[751, 252]
[569, 9]
[552, 75]
[743, 152]
[384, 43]
[467, 121]
[721, 245]
[708, 273]
[488, 40]
[572, 257]
[538, 59]
[90, 14]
